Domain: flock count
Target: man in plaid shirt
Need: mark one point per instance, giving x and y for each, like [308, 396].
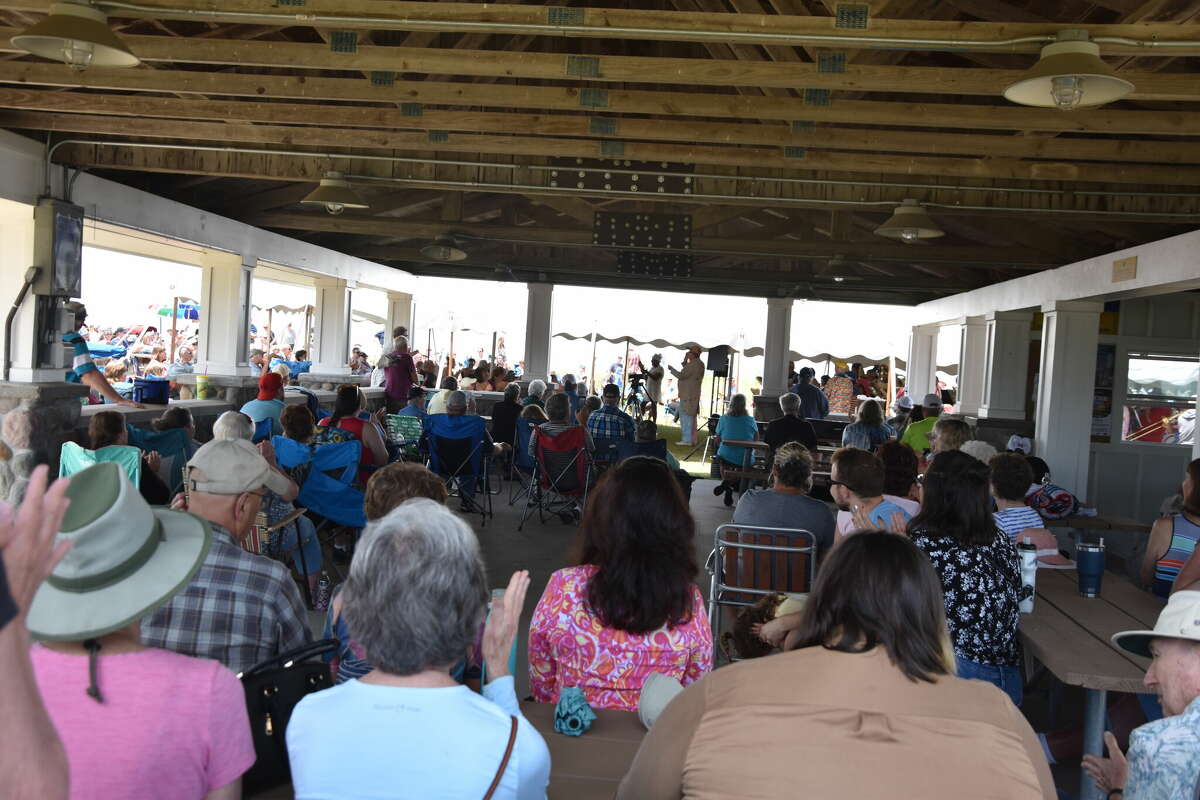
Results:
[610, 422]
[239, 608]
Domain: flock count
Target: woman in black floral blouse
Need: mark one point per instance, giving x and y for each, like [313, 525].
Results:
[978, 567]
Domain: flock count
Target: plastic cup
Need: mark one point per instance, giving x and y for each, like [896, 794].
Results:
[202, 389]
[1089, 563]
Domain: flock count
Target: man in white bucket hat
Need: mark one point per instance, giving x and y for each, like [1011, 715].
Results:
[1164, 755]
[240, 608]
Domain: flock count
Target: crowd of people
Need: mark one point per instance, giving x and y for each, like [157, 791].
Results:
[145, 605]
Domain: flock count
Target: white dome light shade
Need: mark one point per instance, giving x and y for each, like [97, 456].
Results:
[1069, 75]
[909, 222]
[335, 194]
[79, 36]
[443, 248]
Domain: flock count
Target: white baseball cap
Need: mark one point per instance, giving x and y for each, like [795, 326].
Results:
[903, 401]
[1179, 620]
[233, 466]
[932, 401]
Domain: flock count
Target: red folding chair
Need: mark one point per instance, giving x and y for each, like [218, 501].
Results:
[563, 473]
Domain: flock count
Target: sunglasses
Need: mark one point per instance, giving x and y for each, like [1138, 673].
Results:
[845, 486]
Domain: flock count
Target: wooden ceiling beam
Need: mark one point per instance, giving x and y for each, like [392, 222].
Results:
[664, 103]
[613, 23]
[778, 158]
[608, 69]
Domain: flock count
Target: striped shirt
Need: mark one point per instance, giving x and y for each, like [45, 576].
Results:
[239, 609]
[81, 357]
[1184, 534]
[1014, 520]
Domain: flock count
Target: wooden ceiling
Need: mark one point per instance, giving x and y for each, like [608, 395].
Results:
[471, 120]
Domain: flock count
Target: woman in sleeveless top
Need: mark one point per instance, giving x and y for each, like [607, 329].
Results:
[1173, 539]
[345, 416]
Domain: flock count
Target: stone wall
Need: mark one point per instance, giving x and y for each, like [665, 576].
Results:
[35, 420]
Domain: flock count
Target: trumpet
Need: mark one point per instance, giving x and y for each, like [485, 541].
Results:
[1155, 427]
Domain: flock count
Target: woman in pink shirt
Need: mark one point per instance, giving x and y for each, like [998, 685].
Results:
[136, 722]
[630, 608]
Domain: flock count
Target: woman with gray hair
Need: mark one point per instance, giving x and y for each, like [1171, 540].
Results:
[536, 389]
[415, 598]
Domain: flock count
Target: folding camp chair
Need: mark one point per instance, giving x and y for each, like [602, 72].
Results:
[173, 445]
[522, 465]
[656, 449]
[73, 458]
[404, 431]
[328, 492]
[605, 451]
[263, 429]
[563, 474]
[750, 561]
[457, 454]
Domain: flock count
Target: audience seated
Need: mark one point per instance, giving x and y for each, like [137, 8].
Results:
[899, 474]
[813, 402]
[1010, 478]
[609, 421]
[416, 404]
[856, 482]
[630, 608]
[534, 412]
[1173, 539]
[863, 705]
[117, 374]
[437, 404]
[500, 379]
[978, 567]
[569, 389]
[791, 427]
[505, 413]
[786, 503]
[948, 434]
[590, 404]
[108, 428]
[737, 424]
[346, 407]
[269, 403]
[1163, 758]
[868, 430]
[902, 409]
[536, 389]
[647, 433]
[559, 419]
[416, 597]
[239, 608]
[917, 434]
[388, 488]
[136, 721]
[177, 417]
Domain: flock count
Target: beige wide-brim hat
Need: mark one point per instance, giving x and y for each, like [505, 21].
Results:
[1179, 620]
[126, 559]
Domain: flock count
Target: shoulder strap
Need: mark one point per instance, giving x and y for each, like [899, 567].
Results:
[512, 740]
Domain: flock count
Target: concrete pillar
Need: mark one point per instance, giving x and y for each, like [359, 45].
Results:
[922, 362]
[225, 302]
[972, 353]
[16, 256]
[1070, 334]
[539, 323]
[777, 346]
[1006, 365]
[331, 345]
[399, 312]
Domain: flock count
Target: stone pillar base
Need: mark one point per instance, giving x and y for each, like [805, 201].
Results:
[766, 407]
[237, 390]
[330, 381]
[35, 420]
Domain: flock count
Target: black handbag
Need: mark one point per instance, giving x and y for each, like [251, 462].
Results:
[273, 688]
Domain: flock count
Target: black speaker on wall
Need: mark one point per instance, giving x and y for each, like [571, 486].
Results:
[718, 360]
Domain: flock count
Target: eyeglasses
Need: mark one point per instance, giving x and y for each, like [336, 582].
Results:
[845, 486]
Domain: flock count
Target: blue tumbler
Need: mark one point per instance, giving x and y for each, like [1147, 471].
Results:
[1089, 562]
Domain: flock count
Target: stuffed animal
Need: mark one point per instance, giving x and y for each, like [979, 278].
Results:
[742, 642]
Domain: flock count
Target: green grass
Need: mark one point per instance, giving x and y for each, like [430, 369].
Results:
[671, 432]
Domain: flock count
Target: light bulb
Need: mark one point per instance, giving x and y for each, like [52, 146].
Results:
[77, 54]
[910, 234]
[335, 208]
[1066, 91]
[838, 279]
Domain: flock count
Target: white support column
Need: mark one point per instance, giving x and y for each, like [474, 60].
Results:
[400, 312]
[777, 346]
[539, 323]
[332, 327]
[971, 361]
[16, 256]
[1070, 334]
[1006, 365]
[225, 299]
[921, 376]
[1196, 438]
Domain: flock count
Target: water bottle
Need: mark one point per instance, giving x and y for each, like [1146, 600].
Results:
[321, 601]
[1089, 564]
[1029, 557]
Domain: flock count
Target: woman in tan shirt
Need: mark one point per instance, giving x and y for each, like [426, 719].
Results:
[865, 706]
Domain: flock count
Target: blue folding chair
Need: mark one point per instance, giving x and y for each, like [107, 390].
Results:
[328, 492]
[456, 454]
[656, 449]
[524, 467]
[174, 446]
[263, 429]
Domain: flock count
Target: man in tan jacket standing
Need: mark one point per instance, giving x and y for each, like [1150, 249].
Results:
[689, 378]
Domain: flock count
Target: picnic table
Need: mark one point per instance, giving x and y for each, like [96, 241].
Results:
[747, 473]
[1071, 636]
[1099, 523]
[590, 766]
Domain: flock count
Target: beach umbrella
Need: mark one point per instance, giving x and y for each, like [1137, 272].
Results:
[184, 311]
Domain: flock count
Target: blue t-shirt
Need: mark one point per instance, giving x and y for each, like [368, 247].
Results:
[362, 740]
[729, 427]
[81, 357]
[881, 514]
[258, 410]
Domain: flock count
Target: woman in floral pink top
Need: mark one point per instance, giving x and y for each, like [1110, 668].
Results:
[630, 608]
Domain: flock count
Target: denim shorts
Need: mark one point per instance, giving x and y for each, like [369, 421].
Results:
[1007, 679]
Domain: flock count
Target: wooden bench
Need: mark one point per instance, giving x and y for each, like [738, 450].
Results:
[747, 473]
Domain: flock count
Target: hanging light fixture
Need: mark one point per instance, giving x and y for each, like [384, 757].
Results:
[335, 194]
[1069, 75]
[909, 222]
[443, 248]
[77, 34]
